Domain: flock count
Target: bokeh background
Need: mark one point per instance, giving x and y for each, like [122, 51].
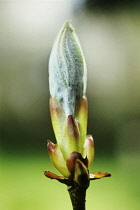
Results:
[109, 32]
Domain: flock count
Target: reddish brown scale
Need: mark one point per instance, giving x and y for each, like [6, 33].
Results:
[71, 161]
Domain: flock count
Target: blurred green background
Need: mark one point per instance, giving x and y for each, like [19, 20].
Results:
[109, 32]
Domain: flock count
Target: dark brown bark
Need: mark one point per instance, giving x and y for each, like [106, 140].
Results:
[77, 196]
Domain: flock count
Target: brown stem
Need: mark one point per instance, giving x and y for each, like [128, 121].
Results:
[77, 196]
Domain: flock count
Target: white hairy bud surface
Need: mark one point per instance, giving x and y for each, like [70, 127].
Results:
[67, 69]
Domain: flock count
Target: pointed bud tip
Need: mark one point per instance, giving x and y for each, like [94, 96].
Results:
[89, 141]
[98, 175]
[51, 175]
[81, 175]
[51, 146]
[88, 149]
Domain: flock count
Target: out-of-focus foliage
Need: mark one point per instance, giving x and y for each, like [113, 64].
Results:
[108, 4]
[110, 42]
